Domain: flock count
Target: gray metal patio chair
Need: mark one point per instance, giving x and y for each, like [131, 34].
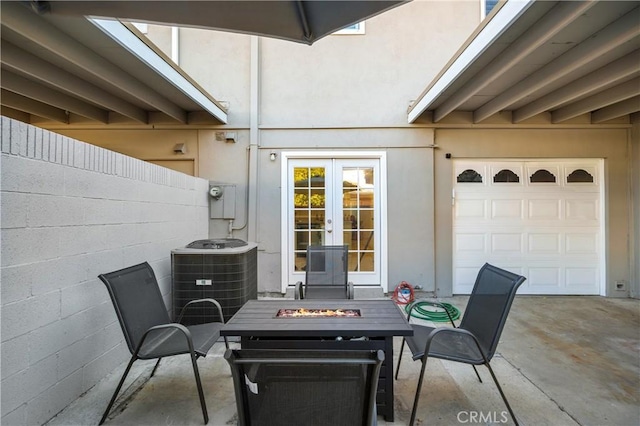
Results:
[147, 328]
[326, 274]
[277, 387]
[475, 340]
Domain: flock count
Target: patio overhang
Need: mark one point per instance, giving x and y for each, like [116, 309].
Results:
[542, 61]
[77, 70]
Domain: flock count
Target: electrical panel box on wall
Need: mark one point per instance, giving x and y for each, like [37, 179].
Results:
[223, 207]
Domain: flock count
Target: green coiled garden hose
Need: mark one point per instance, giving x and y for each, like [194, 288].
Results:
[435, 313]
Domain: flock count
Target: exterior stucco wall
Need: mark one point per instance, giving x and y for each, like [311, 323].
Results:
[610, 144]
[220, 63]
[363, 80]
[343, 80]
[409, 196]
[71, 211]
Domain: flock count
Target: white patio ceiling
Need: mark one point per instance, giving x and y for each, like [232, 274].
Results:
[559, 60]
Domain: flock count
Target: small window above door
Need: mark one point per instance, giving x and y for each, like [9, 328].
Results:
[580, 176]
[469, 176]
[506, 176]
[542, 176]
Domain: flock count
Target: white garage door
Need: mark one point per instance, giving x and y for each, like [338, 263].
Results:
[540, 219]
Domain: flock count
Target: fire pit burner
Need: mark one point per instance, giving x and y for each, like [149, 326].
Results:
[318, 313]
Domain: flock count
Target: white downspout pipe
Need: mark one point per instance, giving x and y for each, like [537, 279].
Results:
[254, 140]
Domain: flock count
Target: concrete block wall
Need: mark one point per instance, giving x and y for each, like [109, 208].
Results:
[71, 211]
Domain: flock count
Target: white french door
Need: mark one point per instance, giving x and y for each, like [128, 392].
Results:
[333, 201]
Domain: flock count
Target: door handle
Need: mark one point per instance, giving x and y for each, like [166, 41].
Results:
[329, 227]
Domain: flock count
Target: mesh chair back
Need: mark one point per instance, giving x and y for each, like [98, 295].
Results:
[305, 387]
[137, 300]
[327, 265]
[489, 305]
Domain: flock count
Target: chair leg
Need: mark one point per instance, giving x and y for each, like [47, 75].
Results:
[115, 394]
[477, 374]
[399, 358]
[199, 385]
[414, 410]
[155, 368]
[504, 398]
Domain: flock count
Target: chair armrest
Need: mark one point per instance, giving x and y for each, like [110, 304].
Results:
[437, 331]
[193, 302]
[184, 330]
[299, 291]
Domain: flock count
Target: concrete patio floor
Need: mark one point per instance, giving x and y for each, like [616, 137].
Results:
[561, 361]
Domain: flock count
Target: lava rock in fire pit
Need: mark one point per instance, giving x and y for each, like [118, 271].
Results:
[315, 313]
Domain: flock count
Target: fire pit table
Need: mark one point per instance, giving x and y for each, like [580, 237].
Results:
[325, 324]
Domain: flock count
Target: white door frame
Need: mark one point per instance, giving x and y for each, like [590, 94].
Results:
[381, 156]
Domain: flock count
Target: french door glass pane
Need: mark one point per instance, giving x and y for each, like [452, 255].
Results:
[309, 211]
[358, 216]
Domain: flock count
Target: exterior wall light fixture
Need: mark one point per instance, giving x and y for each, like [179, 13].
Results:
[180, 148]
